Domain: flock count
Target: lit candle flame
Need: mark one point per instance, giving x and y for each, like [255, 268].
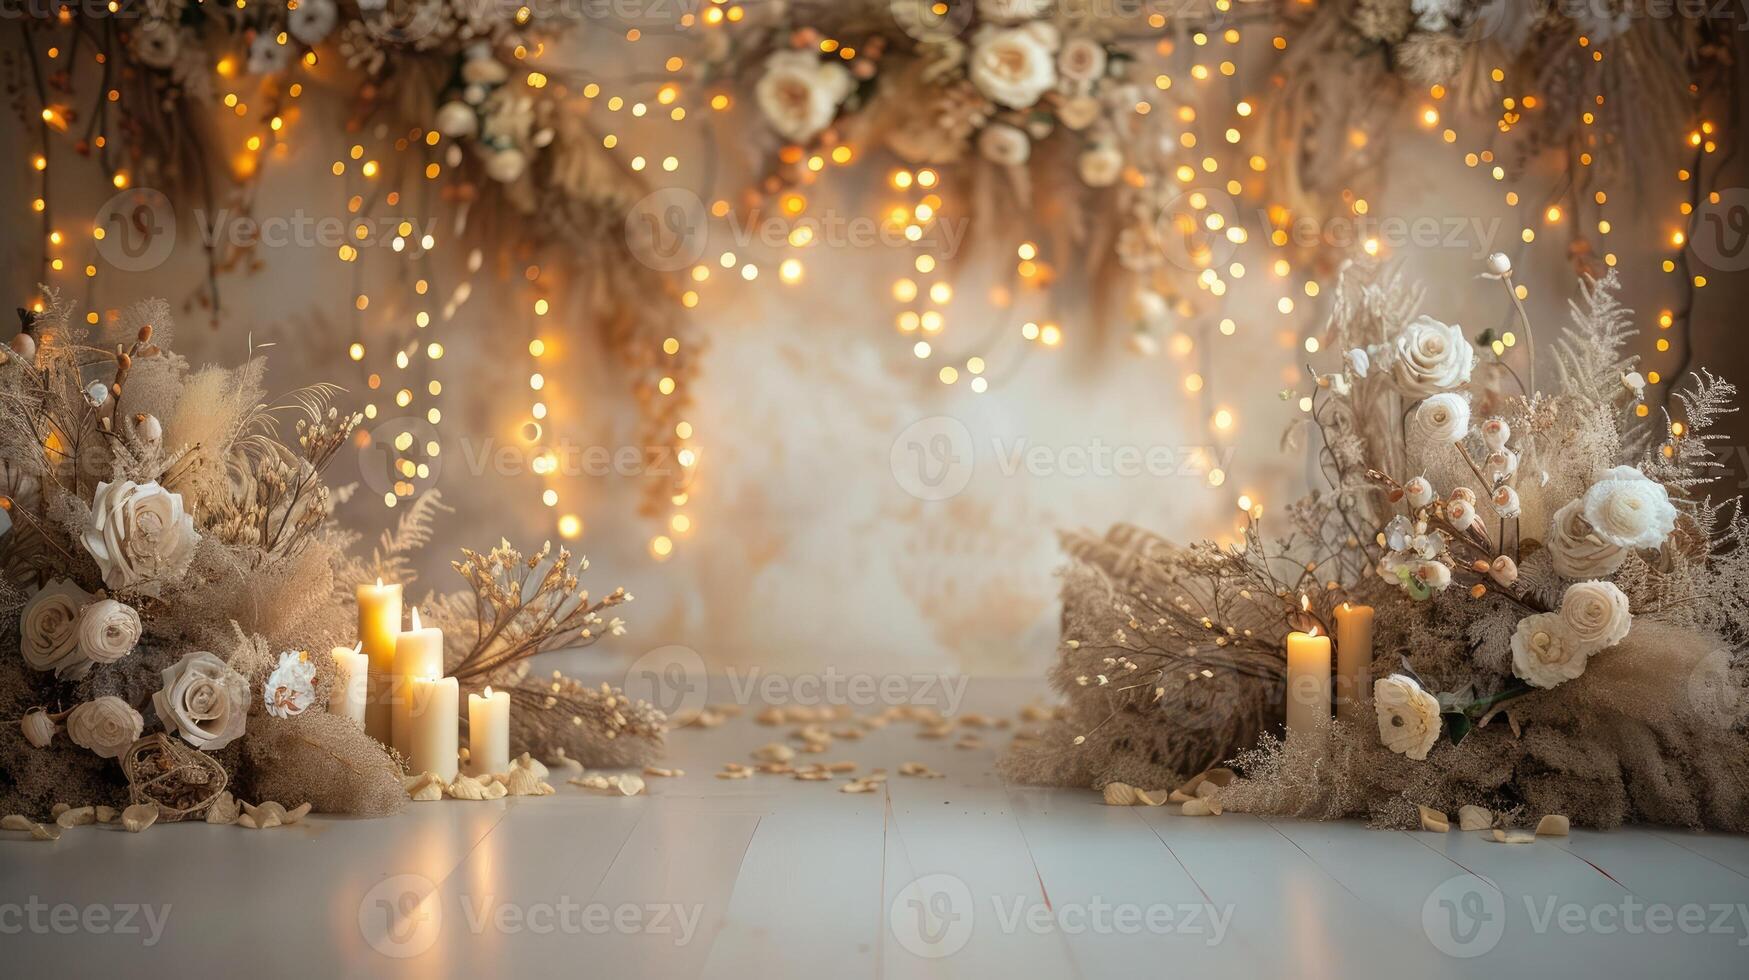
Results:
[488, 692]
[416, 625]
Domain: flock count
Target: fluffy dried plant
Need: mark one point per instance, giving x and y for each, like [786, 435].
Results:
[1559, 605]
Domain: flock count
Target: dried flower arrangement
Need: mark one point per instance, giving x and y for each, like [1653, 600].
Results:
[452, 84]
[170, 563]
[1560, 606]
[1045, 123]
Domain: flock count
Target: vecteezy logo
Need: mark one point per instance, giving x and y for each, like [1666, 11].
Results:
[672, 678]
[1464, 917]
[1721, 231]
[387, 458]
[399, 917]
[933, 458]
[137, 229]
[667, 230]
[932, 917]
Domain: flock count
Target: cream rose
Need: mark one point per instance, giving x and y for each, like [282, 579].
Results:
[204, 701]
[1408, 716]
[1544, 653]
[1461, 513]
[1596, 614]
[140, 535]
[108, 631]
[1419, 492]
[1506, 502]
[1577, 550]
[1013, 66]
[1627, 508]
[1440, 420]
[1101, 166]
[800, 94]
[106, 726]
[1081, 60]
[38, 728]
[49, 629]
[1003, 144]
[1431, 357]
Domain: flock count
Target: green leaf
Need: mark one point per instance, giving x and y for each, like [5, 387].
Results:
[1457, 725]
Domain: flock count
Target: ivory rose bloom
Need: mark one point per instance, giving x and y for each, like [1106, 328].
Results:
[1439, 421]
[1506, 502]
[1577, 550]
[204, 701]
[1004, 144]
[1081, 60]
[106, 726]
[108, 631]
[1431, 357]
[38, 728]
[1627, 508]
[800, 94]
[291, 688]
[1013, 66]
[1408, 716]
[1419, 492]
[1461, 513]
[1101, 166]
[140, 535]
[1596, 614]
[49, 629]
[1544, 653]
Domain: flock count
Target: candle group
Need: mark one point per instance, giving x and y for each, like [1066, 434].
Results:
[393, 684]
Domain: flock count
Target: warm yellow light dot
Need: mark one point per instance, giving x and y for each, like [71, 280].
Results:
[570, 526]
[1223, 419]
[661, 546]
[356, 352]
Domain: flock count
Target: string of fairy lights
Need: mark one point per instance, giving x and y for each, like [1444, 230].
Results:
[1217, 146]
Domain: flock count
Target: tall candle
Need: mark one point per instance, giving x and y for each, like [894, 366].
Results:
[418, 656]
[352, 683]
[432, 724]
[1308, 688]
[489, 732]
[379, 622]
[1353, 661]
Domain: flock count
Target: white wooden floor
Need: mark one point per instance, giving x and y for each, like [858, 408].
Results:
[771, 877]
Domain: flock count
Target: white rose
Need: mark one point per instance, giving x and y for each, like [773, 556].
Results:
[1013, 66]
[1012, 10]
[1003, 144]
[1628, 509]
[291, 688]
[457, 120]
[1596, 614]
[106, 726]
[1101, 166]
[1408, 716]
[800, 94]
[1078, 113]
[1431, 357]
[1081, 60]
[1501, 466]
[204, 701]
[38, 728]
[312, 20]
[49, 629]
[1635, 383]
[1439, 421]
[108, 631]
[1419, 492]
[1544, 652]
[140, 535]
[267, 55]
[1499, 266]
[1503, 570]
[1577, 550]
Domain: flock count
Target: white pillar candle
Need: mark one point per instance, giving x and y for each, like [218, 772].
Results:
[1308, 688]
[418, 656]
[1353, 661]
[489, 732]
[351, 683]
[432, 722]
[379, 622]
